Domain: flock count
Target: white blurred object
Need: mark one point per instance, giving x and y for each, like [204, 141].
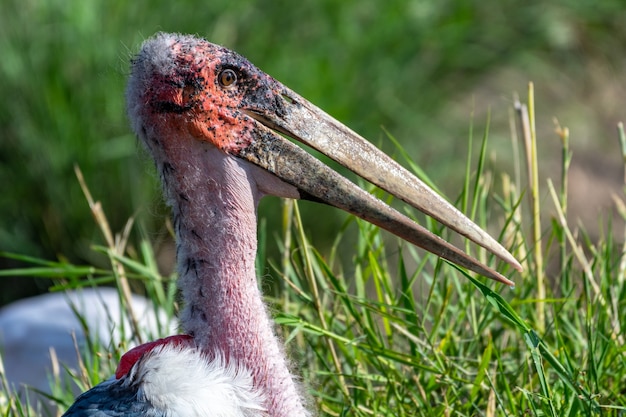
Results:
[31, 327]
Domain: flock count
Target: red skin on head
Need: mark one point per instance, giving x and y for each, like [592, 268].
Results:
[189, 92]
[131, 357]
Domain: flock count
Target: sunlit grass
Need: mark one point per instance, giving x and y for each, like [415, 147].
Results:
[394, 331]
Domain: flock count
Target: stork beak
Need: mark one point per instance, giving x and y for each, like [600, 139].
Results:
[304, 122]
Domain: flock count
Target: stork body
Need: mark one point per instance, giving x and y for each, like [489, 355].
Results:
[174, 378]
[209, 119]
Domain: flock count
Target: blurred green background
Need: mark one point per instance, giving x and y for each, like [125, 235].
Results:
[422, 69]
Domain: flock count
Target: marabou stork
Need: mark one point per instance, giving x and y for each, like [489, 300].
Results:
[214, 125]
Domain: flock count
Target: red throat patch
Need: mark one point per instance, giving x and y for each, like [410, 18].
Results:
[131, 357]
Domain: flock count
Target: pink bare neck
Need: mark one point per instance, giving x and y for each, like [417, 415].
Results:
[214, 198]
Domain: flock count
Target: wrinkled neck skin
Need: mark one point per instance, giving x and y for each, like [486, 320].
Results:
[214, 205]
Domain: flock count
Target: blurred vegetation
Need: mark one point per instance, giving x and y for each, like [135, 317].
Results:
[410, 66]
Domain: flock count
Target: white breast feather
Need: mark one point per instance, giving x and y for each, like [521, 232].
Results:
[183, 382]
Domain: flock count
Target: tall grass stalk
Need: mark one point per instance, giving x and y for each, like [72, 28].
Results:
[526, 113]
[621, 278]
[566, 159]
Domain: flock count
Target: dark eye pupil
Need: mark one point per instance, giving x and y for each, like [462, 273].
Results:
[227, 77]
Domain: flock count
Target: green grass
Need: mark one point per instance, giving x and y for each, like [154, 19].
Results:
[393, 331]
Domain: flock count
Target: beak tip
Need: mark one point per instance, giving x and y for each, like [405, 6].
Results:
[504, 255]
[504, 280]
[510, 284]
[516, 265]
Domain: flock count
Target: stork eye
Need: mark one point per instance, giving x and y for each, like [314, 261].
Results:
[227, 78]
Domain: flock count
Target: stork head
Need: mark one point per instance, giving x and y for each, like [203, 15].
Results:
[185, 88]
